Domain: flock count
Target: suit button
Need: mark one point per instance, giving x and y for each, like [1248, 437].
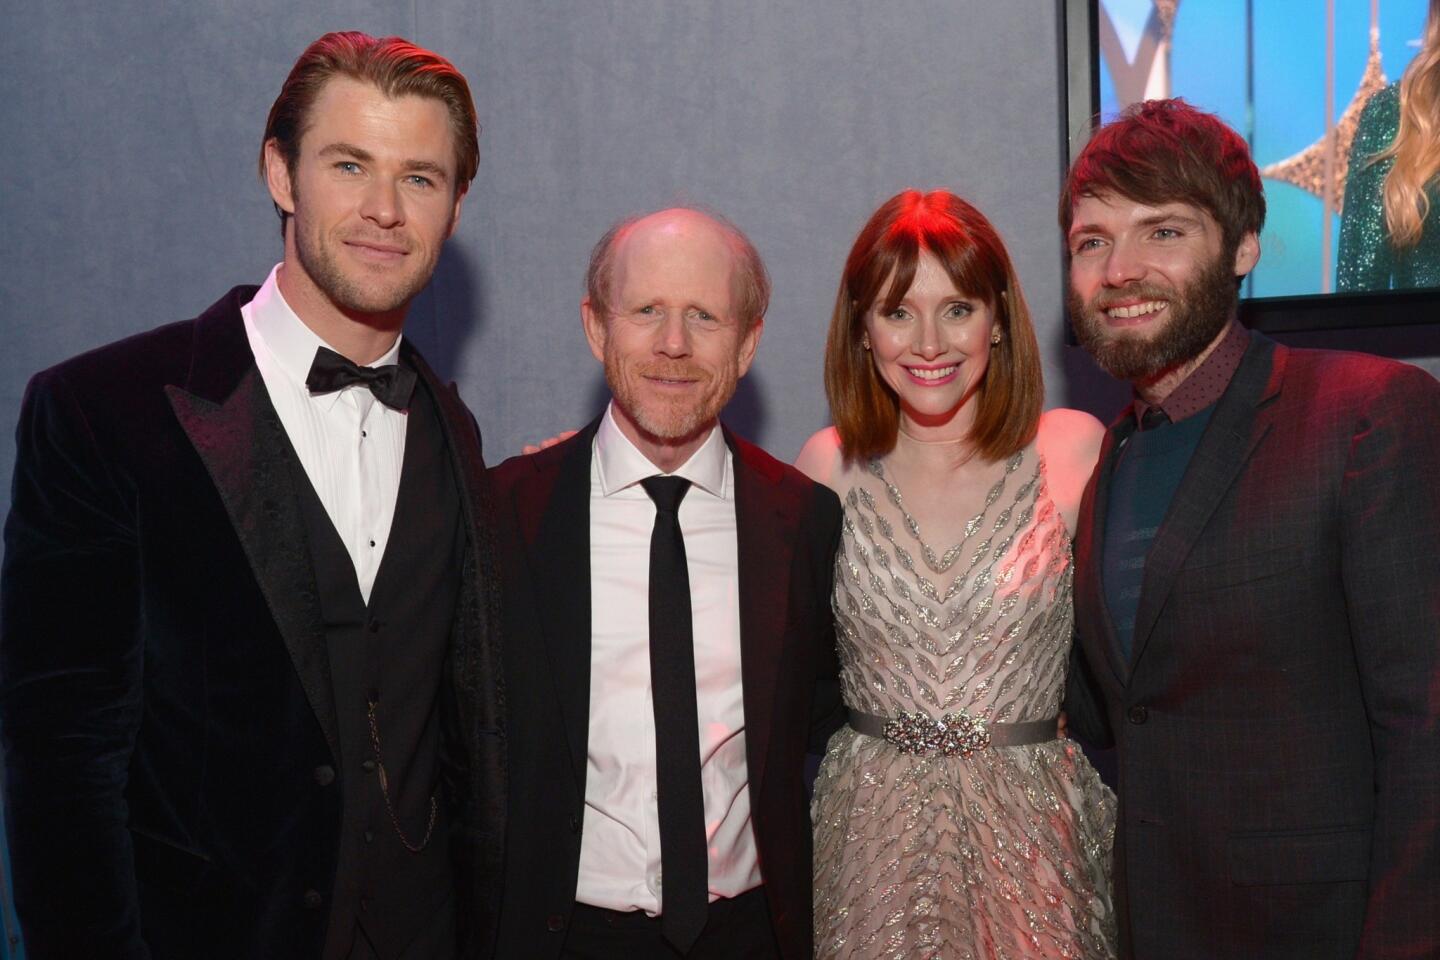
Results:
[574, 824]
[325, 775]
[369, 837]
[364, 904]
[555, 923]
[368, 766]
[1138, 714]
[312, 899]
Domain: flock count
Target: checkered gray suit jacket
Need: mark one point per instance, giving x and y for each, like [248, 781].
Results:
[1278, 724]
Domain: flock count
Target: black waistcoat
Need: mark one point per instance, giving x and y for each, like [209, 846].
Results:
[391, 653]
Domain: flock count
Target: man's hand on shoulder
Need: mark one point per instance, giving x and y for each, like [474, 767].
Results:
[548, 442]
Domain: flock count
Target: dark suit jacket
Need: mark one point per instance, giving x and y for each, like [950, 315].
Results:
[1279, 722]
[787, 530]
[165, 695]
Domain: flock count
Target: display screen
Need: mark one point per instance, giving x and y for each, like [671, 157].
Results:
[1313, 86]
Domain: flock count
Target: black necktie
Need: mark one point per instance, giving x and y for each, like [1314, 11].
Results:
[1153, 417]
[392, 384]
[684, 864]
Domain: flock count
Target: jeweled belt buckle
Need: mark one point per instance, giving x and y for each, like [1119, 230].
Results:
[955, 734]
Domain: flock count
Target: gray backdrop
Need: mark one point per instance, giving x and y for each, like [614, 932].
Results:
[131, 198]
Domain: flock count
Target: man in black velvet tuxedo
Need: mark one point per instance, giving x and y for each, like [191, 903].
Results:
[669, 652]
[1256, 588]
[249, 664]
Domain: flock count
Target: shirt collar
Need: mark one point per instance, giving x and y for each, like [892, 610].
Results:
[291, 342]
[1206, 382]
[621, 465]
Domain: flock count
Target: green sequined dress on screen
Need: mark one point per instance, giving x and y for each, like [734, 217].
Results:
[1367, 261]
[999, 856]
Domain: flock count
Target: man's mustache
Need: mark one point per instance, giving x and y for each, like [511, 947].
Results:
[672, 371]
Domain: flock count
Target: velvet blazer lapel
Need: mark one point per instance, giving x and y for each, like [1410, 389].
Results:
[475, 656]
[555, 510]
[226, 412]
[766, 523]
[1241, 420]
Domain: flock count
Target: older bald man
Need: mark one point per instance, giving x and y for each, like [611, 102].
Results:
[670, 649]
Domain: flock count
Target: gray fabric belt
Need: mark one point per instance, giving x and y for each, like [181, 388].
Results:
[954, 734]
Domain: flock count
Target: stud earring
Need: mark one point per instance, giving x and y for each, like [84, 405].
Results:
[994, 338]
[865, 341]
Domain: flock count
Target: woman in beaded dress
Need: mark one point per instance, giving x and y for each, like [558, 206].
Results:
[953, 614]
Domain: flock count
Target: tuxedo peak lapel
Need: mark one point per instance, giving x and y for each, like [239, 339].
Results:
[220, 356]
[1239, 424]
[766, 522]
[556, 505]
[462, 439]
[1090, 545]
[248, 455]
[477, 663]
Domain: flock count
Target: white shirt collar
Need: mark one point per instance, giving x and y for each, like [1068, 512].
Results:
[621, 464]
[291, 342]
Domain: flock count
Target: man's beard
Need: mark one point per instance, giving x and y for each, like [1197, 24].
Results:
[1198, 312]
[674, 420]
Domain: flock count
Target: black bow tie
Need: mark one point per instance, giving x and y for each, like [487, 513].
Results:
[392, 384]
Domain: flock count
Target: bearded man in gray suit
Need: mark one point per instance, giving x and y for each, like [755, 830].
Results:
[1256, 588]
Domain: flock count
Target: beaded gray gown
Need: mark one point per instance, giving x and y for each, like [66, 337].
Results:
[1005, 854]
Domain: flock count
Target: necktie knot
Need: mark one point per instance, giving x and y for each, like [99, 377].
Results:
[1153, 417]
[667, 492]
[391, 384]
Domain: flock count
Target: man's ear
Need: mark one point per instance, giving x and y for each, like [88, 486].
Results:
[748, 344]
[595, 331]
[1247, 254]
[455, 212]
[277, 177]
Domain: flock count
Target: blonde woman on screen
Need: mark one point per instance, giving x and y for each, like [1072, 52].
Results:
[1389, 238]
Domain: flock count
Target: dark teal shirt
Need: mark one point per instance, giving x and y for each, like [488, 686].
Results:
[1148, 471]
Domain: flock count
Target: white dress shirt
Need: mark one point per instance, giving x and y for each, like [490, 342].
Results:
[620, 845]
[351, 446]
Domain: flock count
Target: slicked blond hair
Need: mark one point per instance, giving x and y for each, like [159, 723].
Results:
[397, 68]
